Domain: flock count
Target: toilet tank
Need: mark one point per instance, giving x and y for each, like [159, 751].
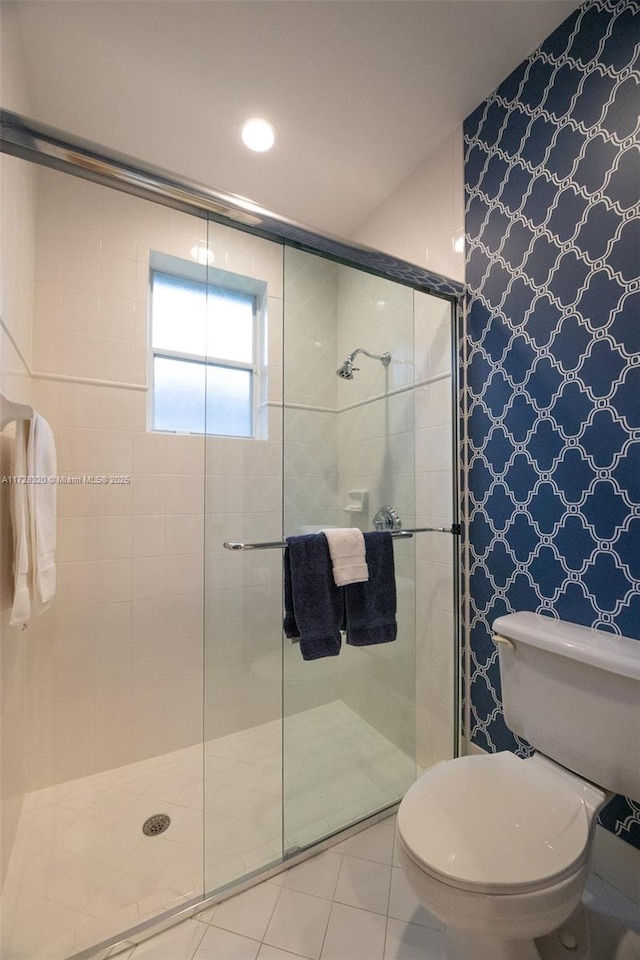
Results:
[574, 694]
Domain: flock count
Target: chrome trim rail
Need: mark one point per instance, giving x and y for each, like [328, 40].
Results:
[39, 143]
[281, 544]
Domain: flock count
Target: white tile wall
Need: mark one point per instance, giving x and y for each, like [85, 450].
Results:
[133, 569]
[330, 308]
[376, 453]
[310, 440]
[423, 221]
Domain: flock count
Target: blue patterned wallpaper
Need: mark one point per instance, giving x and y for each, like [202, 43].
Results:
[552, 172]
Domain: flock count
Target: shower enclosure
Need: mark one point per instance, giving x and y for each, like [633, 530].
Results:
[162, 742]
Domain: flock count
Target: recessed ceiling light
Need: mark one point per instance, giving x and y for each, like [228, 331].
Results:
[258, 134]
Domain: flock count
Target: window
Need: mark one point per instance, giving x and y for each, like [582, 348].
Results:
[204, 346]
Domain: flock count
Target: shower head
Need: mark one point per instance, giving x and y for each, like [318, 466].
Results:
[346, 370]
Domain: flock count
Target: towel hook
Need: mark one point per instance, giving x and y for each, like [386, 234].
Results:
[11, 411]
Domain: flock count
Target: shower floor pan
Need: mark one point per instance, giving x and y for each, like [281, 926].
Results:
[82, 871]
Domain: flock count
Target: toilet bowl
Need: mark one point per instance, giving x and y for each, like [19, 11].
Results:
[498, 847]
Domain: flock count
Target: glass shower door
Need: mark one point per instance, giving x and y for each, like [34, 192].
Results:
[243, 502]
[106, 764]
[349, 720]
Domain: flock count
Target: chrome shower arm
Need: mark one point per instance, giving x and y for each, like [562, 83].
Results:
[346, 370]
[384, 358]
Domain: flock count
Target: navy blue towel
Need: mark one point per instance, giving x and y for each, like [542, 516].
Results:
[313, 604]
[371, 606]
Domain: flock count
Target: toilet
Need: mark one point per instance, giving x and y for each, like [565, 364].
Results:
[498, 847]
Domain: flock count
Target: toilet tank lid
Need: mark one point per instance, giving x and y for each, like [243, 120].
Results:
[608, 651]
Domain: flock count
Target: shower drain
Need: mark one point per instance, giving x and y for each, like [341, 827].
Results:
[156, 824]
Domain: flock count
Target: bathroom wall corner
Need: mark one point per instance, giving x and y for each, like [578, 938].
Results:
[422, 219]
[617, 862]
[469, 749]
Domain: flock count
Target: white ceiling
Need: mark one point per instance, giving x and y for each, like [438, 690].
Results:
[361, 91]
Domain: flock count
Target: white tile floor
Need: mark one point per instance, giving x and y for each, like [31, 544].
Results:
[81, 864]
[352, 903]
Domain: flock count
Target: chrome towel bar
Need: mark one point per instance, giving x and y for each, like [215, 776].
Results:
[281, 544]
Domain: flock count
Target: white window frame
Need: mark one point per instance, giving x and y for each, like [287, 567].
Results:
[210, 277]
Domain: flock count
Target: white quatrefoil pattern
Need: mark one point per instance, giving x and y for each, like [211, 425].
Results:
[552, 393]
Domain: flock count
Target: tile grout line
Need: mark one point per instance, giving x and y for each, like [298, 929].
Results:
[333, 900]
[273, 910]
[326, 929]
[204, 931]
[386, 919]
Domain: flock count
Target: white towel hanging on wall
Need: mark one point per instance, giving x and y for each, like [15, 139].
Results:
[19, 506]
[33, 511]
[41, 462]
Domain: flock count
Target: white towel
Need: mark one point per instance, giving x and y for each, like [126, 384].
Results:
[347, 551]
[41, 462]
[34, 520]
[21, 609]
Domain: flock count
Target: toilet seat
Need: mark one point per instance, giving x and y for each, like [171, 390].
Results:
[497, 824]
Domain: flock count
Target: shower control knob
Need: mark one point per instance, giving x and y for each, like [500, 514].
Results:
[387, 519]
